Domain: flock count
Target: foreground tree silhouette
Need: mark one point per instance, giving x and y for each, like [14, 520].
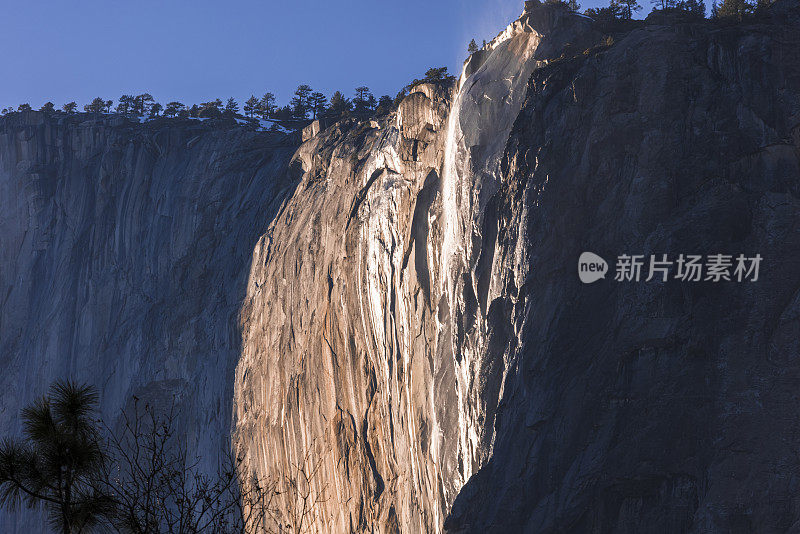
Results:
[139, 478]
[56, 463]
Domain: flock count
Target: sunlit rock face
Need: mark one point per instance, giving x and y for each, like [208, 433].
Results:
[368, 355]
[124, 253]
[415, 330]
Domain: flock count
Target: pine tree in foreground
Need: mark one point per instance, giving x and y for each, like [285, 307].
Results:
[54, 466]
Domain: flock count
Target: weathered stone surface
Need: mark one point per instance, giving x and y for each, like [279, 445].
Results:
[124, 253]
[364, 327]
[411, 320]
[649, 407]
[312, 130]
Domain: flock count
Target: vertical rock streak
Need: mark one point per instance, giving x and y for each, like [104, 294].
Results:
[365, 326]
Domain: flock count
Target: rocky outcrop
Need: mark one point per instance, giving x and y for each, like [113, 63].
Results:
[124, 253]
[365, 323]
[413, 341]
[414, 321]
[649, 407]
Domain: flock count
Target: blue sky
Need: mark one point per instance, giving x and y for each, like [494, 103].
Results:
[194, 51]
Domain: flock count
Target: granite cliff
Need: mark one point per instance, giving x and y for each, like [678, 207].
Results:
[124, 252]
[400, 297]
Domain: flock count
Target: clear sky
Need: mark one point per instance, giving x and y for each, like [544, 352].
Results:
[198, 50]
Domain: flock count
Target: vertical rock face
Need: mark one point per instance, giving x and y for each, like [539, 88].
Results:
[365, 328]
[340, 315]
[414, 321]
[124, 252]
[650, 407]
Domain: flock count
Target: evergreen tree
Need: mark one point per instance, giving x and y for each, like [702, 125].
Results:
[385, 101]
[364, 101]
[339, 105]
[384, 105]
[141, 104]
[318, 101]
[108, 105]
[24, 107]
[125, 104]
[56, 464]
[173, 109]
[626, 8]
[48, 107]
[737, 9]
[605, 14]
[285, 113]
[231, 108]
[251, 106]
[155, 109]
[659, 5]
[70, 107]
[473, 47]
[714, 9]
[210, 110]
[436, 75]
[371, 102]
[96, 106]
[300, 102]
[266, 107]
[697, 8]
[573, 5]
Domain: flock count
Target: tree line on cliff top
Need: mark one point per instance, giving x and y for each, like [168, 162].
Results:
[621, 10]
[305, 105]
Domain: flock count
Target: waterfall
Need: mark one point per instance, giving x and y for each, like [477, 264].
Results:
[455, 183]
[487, 99]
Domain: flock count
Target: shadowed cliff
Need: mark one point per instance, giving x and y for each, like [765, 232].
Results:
[124, 253]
